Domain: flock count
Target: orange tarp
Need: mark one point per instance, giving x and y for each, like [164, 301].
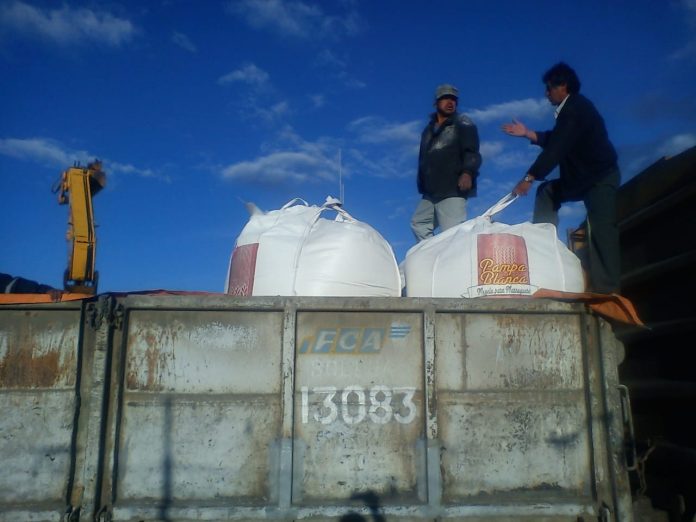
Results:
[614, 306]
[54, 297]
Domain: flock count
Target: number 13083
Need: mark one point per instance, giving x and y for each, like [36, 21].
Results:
[355, 404]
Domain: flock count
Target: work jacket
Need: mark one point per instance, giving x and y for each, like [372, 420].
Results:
[445, 153]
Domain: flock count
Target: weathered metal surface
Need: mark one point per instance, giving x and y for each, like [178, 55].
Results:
[218, 408]
[200, 413]
[38, 349]
[511, 406]
[359, 423]
[38, 372]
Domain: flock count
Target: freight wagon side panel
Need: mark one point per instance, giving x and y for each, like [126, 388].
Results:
[310, 408]
[38, 405]
[195, 407]
[197, 412]
[511, 407]
[359, 409]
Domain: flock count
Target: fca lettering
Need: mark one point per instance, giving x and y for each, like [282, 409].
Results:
[344, 340]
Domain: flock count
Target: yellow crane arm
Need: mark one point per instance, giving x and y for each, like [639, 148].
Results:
[77, 187]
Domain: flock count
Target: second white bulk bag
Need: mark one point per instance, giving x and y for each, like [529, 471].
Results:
[481, 258]
[295, 251]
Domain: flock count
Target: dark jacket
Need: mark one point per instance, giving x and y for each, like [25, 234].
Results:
[445, 153]
[579, 144]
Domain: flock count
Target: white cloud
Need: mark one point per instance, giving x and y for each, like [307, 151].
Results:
[685, 52]
[272, 113]
[328, 58]
[260, 111]
[257, 82]
[338, 67]
[290, 160]
[67, 25]
[633, 159]
[294, 18]
[504, 156]
[114, 167]
[676, 144]
[318, 100]
[350, 82]
[383, 162]
[372, 129]
[249, 74]
[490, 149]
[399, 142]
[41, 150]
[184, 42]
[282, 167]
[50, 153]
[530, 108]
[688, 50]
[572, 210]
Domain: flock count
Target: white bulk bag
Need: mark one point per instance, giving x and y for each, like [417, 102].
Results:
[480, 258]
[295, 251]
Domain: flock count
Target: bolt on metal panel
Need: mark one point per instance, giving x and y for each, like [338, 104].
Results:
[38, 372]
[359, 419]
[201, 409]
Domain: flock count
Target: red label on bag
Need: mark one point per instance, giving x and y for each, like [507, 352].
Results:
[242, 270]
[503, 267]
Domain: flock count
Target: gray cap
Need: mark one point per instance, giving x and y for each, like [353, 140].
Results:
[446, 90]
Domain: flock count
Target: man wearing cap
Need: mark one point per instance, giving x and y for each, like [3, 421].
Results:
[448, 165]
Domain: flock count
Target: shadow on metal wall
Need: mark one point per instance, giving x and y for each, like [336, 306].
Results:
[166, 462]
[371, 500]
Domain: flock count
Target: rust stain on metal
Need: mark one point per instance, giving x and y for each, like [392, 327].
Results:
[19, 369]
[157, 356]
[38, 360]
[432, 396]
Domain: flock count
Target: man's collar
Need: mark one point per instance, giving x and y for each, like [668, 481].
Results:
[560, 107]
[451, 118]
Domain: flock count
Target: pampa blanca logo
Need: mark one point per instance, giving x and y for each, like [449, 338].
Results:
[503, 266]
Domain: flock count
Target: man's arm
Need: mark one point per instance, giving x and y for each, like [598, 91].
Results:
[524, 185]
[556, 144]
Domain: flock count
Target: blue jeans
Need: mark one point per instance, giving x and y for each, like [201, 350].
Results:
[445, 214]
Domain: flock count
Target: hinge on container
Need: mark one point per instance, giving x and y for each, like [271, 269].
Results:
[104, 515]
[627, 413]
[106, 309]
[71, 514]
[604, 514]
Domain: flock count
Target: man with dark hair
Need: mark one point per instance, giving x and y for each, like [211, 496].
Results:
[448, 165]
[580, 146]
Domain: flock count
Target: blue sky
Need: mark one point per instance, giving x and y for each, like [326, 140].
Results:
[197, 107]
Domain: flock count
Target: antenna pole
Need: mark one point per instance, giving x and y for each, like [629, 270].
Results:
[340, 178]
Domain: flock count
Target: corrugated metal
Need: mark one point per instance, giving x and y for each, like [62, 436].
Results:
[212, 408]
